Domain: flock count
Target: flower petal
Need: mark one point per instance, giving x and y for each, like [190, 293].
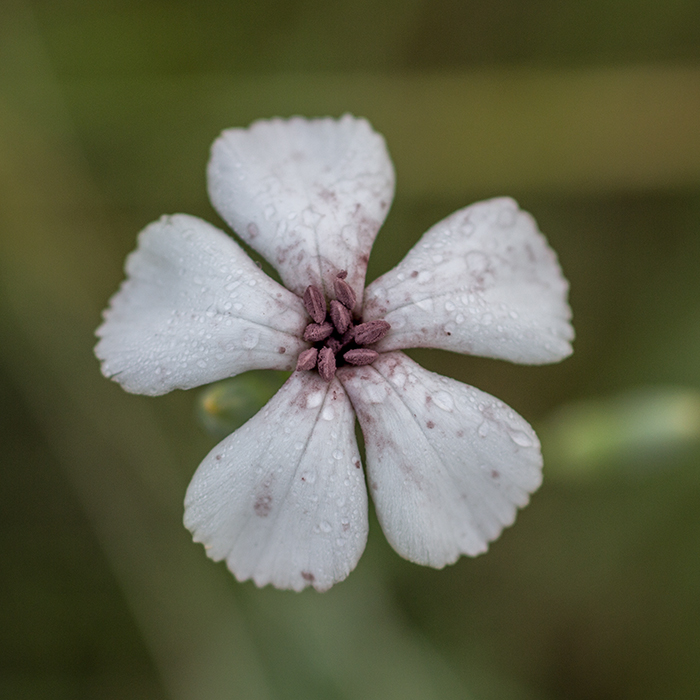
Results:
[283, 499]
[448, 465]
[194, 309]
[309, 195]
[484, 282]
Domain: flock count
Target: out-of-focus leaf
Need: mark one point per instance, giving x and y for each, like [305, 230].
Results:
[630, 432]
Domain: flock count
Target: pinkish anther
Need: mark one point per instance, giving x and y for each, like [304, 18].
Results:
[326, 364]
[337, 341]
[341, 317]
[361, 356]
[307, 359]
[334, 344]
[315, 332]
[344, 293]
[315, 303]
[371, 332]
[348, 336]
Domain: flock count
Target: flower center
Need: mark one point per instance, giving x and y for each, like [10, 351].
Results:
[336, 336]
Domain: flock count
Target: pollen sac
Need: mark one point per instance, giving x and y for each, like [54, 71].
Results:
[315, 303]
[371, 332]
[340, 316]
[360, 356]
[315, 332]
[344, 293]
[307, 359]
[326, 364]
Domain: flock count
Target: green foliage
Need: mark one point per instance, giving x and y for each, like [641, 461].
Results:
[587, 113]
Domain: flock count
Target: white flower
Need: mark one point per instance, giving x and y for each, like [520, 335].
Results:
[283, 499]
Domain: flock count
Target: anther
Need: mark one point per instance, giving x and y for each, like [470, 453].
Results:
[361, 356]
[371, 332]
[315, 332]
[344, 293]
[341, 317]
[315, 303]
[307, 359]
[348, 336]
[334, 344]
[326, 364]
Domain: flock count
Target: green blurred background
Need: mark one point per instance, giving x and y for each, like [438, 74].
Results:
[587, 113]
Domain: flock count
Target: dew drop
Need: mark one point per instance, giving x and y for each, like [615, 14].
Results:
[314, 399]
[449, 306]
[308, 476]
[483, 429]
[337, 454]
[328, 413]
[250, 339]
[520, 438]
[424, 276]
[444, 401]
[325, 526]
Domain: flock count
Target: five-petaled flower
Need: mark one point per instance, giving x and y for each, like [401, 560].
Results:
[283, 499]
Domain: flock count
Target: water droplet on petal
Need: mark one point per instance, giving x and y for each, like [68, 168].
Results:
[308, 476]
[337, 454]
[444, 401]
[328, 413]
[520, 438]
[250, 339]
[314, 399]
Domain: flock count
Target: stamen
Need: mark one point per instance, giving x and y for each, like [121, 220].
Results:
[348, 336]
[315, 303]
[326, 364]
[334, 344]
[315, 332]
[344, 293]
[361, 356]
[307, 359]
[340, 316]
[371, 332]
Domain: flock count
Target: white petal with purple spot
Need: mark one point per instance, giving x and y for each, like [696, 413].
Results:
[194, 309]
[484, 282]
[447, 464]
[309, 195]
[283, 499]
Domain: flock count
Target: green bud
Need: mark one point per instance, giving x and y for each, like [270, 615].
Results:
[225, 406]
